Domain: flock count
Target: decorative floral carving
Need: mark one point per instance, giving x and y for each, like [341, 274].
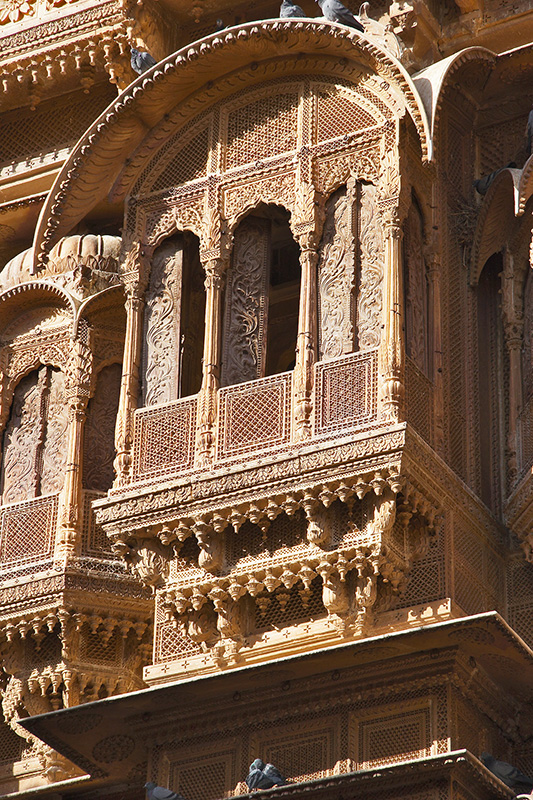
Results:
[13, 10]
[369, 301]
[336, 278]
[246, 306]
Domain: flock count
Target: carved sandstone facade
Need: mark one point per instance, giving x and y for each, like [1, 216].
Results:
[265, 401]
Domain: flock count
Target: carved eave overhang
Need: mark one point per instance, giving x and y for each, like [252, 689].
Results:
[433, 82]
[141, 720]
[98, 159]
[51, 50]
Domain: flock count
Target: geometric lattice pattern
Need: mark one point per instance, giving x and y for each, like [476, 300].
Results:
[171, 644]
[27, 530]
[418, 399]
[389, 739]
[479, 577]
[346, 392]
[302, 752]
[338, 113]
[204, 775]
[263, 128]
[164, 438]
[254, 415]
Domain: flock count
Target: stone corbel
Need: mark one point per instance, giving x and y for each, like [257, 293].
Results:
[212, 546]
[230, 627]
[149, 559]
[318, 521]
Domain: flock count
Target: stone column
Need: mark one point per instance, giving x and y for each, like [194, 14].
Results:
[435, 344]
[306, 340]
[215, 274]
[79, 372]
[392, 347]
[129, 388]
[513, 330]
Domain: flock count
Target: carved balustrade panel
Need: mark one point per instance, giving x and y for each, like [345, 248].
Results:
[53, 454]
[345, 393]
[164, 439]
[254, 416]
[336, 277]
[247, 303]
[27, 531]
[161, 348]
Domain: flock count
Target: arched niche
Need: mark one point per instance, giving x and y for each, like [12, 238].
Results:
[262, 297]
[173, 326]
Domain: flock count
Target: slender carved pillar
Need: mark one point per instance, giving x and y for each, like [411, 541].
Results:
[215, 272]
[79, 369]
[306, 341]
[392, 347]
[135, 285]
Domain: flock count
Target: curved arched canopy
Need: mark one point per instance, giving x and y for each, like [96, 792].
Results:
[29, 297]
[111, 153]
[496, 219]
[432, 82]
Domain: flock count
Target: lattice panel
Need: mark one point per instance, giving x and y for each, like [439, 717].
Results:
[171, 644]
[346, 393]
[418, 400]
[94, 540]
[27, 530]
[340, 112]
[520, 597]
[254, 415]
[11, 746]
[427, 578]
[248, 546]
[500, 143]
[263, 128]
[188, 163]
[479, 577]
[525, 424]
[52, 126]
[391, 738]
[301, 752]
[286, 607]
[206, 772]
[95, 650]
[164, 438]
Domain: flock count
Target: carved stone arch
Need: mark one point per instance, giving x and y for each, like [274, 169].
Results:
[31, 296]
[169, 218]
[496, 221]
[96, 300]
[93, 165]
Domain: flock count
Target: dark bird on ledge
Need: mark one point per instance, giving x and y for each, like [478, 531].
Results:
[483, 184]
[290, 9]
[220, 25]
[264, 776]
[140, 61]
[154, 792]
[335, 11]
[508, 774]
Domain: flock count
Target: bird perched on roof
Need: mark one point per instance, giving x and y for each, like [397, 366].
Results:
[220, 25]
[154, 792]
[264, 776]
[483, 184]
[508, 774]
[290, 9]
[140, 61]
[335, 11]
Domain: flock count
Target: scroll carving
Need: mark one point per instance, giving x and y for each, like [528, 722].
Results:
[161, 325]
[246, 308]
[54, 451]
[35, 440]
[336, 277]
[371, 254]
[99, 446]
[527, 353]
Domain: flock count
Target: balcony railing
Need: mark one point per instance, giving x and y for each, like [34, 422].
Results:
[255, 417]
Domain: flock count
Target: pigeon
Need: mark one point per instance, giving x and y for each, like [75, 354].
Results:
[482, 185]
[154, 792]
[140, 62]
[335, 11]
[220, 25]
[264, 776]
[508, 774]
[290, 9]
